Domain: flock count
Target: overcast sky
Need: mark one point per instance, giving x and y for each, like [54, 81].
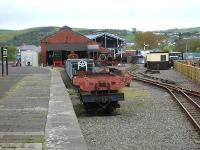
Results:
[144, 15]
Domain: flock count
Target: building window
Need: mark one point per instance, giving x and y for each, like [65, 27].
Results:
[163, 57]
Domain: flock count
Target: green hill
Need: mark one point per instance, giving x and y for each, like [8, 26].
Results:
[184, 30]
[28, 36]
[34, 35]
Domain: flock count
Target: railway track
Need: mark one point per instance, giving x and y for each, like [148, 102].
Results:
[165, 85]
[191, 108]
[189, 100]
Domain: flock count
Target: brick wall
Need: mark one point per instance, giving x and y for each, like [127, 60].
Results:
[64, 36]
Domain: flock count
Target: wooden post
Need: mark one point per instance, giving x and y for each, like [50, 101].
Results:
[116, 47]
[105, 40]
[2, 62]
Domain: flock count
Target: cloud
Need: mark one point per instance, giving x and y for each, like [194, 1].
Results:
[126, 14]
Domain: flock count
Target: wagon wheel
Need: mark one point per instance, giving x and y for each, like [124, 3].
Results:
[102, 57]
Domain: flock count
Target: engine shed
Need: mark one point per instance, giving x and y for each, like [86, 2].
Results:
[157, 61]
[58, 47]
[113, 46]
[109, 41]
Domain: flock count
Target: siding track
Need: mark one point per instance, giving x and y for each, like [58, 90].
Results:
[189, 100]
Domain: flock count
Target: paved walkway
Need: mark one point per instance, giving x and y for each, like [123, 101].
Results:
[24, 105]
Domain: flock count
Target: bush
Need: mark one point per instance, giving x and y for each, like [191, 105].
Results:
[11, 53]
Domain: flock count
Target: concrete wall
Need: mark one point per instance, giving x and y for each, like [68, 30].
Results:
[188, 70]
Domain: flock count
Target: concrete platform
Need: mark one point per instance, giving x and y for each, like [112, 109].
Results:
[62, 128]
[27, 97]
[24, 99]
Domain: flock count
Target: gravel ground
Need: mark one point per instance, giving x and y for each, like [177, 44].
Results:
[175, 76]
[148, 119]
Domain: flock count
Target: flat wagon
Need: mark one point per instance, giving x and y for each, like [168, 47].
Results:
[97, 89]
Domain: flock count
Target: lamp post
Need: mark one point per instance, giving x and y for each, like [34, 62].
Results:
[186, 46]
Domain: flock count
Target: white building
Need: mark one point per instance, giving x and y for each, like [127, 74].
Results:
[29, 58]
[28, 55]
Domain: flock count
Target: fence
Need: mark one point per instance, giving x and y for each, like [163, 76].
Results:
[188, 70]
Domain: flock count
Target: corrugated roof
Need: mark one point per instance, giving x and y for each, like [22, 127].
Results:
[94, 36]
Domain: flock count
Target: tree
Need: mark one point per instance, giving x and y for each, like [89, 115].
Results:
[11, 53]
[180, 45]
[194, 44]
[198, 49]
[189, 45]
[166, 49]
[148, 38]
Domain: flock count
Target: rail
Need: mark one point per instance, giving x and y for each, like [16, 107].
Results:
[182, 95]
